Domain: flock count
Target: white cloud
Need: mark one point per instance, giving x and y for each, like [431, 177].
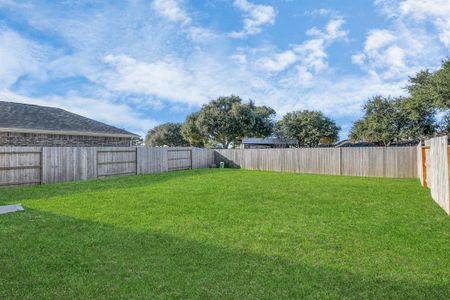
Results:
[322, 12]
[279, 61]
[172, 10]
[406, 45]
[437, 12]
[19, 56]
[311, 54]
[164, 78]
[377, 39]
[359, 58]
[255, 17]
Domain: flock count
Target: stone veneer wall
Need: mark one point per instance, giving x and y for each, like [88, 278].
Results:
[49, 140]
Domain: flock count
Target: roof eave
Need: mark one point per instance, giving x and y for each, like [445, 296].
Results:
[68, 132]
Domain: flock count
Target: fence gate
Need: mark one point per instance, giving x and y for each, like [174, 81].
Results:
[179, 159]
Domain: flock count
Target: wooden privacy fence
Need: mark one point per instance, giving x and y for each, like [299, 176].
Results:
[359, 161]
[433, 169]
[22, 166]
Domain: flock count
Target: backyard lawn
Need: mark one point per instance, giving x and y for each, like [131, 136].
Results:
[225, 234]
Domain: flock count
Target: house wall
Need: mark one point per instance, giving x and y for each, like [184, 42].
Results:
[54, 140]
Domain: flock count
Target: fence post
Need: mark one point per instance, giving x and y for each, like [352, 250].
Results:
[340, 160]
[424, 166]
[137, 161]
[41, 160]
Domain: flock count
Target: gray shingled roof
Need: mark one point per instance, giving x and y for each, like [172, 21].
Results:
[269, 141]
[34, 117]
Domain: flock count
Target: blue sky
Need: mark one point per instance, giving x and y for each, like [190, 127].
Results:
[136, 64]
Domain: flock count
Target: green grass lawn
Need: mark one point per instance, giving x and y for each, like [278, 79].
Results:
[225, 234]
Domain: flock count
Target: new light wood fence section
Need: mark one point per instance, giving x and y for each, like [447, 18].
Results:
[434, 172]
[22, 166]
[398, 162]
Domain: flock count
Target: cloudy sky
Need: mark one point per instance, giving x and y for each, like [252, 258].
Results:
[135, 64]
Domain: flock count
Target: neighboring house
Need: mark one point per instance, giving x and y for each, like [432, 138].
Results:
[262, 143]
[347, 143]
[34, 125]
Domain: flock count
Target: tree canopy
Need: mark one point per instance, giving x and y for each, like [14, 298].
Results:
[413, 117]
[308, 127]
[191, 133]
[167, 134]
[226, 121]
[380, 124]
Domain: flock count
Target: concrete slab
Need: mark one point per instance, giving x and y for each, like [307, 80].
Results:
[4, 209]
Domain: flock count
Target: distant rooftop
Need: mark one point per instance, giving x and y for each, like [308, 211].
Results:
[269, 141]
[21, 117]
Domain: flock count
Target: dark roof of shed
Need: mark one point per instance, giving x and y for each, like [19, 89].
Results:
[269, 141]
[35, 117]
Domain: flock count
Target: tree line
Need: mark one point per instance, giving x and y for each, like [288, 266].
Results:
[225, 121]
[424, 112]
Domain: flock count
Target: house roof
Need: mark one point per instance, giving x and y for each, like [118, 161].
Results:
[269, 141]
[347, 143]
[19, 117]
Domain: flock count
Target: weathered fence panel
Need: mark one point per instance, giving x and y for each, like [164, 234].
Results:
[401, 162]
[202, 158]
[179, 159]
[20, 166]
[116, 161]
[63, 164]
[34, 165]
[437, 170]
[367, 161]
[151, 160]
[363, 161]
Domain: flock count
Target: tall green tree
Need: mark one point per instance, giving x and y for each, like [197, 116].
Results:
[167, 134]
[380, 124]
[191, 133]
[308, 127]
[441, 82]
[227, 120]
[417, 118]
[431, 92]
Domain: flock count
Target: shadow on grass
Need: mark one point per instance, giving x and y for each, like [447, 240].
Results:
[13, 195]
[49, 256]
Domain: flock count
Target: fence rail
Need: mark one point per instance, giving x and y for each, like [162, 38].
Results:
[22, 166]
[400, 162]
